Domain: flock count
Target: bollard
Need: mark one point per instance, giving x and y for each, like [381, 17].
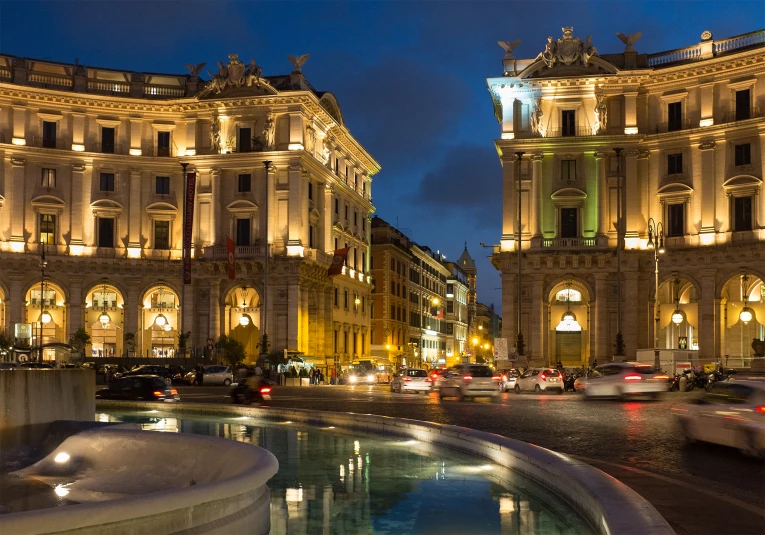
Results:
[683, 383]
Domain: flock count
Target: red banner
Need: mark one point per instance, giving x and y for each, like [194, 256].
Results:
[188, 225]
[231, 253]
[337, 262]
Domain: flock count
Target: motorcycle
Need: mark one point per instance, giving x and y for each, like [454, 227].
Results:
[715, 376]
[568, 382]
[241, 394]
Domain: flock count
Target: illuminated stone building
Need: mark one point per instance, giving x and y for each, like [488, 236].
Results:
[691, 132]
[458, 292]
[91, 170]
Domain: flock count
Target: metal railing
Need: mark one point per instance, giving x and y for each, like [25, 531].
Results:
[107, 148]
[569, 242]
[674, 126]
[579, 131]
[159, 152]
[219, 252]
[733, 116]
[45, 143]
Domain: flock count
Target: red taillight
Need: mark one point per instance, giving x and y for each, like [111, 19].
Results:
[543, 377]
[158, 394]
[265, 390]
[434, 376]
[173, 391]
[761, 408]
[467, 377]
[427, 380]
[504, 377]
[661, 376]
[407, 380]
[632, 377]
[496, 378]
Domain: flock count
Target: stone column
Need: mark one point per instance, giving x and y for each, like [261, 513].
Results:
[600, 338]
[270, 178]
[215, 223]
[214, 330]
[630, 112]
[135, 136]
[75, 220]
[536, 205]
[19, 125]
[75, 319]
[134, 214]
[188, 304]
[706, 91]
[536, 336]
[15, 302]
[326, 238]
[630, 314]
[632, 197]
[603, 200]
[509, 194]
[293, 314]
[17, 198]
[78, 131]
[509, 287]
[304, 334]
[296, 131]
[294, 207]
[304, 220]
[88, 221]
[191, 136]
[706, 186]
[760, 210]
[133, 310]
[709, 334]
[322, 320]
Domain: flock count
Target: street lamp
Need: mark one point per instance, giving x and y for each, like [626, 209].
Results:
[619, 338]
[519, 345]
[656, 244]
[746, 313]
[264, 314]
[45, 316]
[677, 316]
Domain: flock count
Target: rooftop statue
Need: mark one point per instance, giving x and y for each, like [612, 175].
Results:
[568, 50]
[508, 47]
[630, 39]
[298, 62]
[194, 70]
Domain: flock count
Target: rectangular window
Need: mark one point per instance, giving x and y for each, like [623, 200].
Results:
[450, 307]
[162, 235]
[105, 232]
[568, 170]
[743, 154]
[674, 116]
[742, 218]
[337, 166]
[47, 229]
[363, 261]
[337, 206]
[346, 212]
[569, 222]
[162, 185]
[107, 140]
[392, 312]
[674, 164]
[310, 191]
[345, 341]
[335, 341]
[49, 134]
[48, 178]
[245, 140]
[107, 181]
[743, 100]
[163, 144]
[675, 220]
[568, 123]
[355, 218]
[337, 298]
[245, 183]
[243, 232]
[345, 299]
[311, 237]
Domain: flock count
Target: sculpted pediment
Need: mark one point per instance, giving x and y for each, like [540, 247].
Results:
[568, 56]
[161, 208]
[331, 106]
[675, 188]
[242, 205]
[742, 181]
[48, 201]
[596, 67]
[568, 194]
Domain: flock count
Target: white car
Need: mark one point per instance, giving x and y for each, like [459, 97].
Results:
[507, 379]
[213, 375]
[731, 413]
[624, 380]
[411, 380]
[539, 380]
[469, 381]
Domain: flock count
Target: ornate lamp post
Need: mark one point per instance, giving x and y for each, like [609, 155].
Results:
[519, 345]
[619, 338]
[264, 315]
[656, 232]
[746, 313]
[45, 316]
[104, 319]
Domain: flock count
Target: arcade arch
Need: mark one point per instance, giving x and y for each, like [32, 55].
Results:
[743, 317]
[46, 310]
[159, 322]
[678, 314]
[242, 318]
[105, 320]
[569, 323]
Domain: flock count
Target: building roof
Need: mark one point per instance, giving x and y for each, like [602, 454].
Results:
[466, 261]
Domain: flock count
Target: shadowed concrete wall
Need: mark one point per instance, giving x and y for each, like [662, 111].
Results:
[33, 397]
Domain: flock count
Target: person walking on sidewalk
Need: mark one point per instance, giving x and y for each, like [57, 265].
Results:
[333, 377]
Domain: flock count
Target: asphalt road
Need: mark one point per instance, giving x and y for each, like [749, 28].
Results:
[699, 489]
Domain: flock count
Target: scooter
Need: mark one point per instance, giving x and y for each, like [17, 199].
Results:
[241, 394]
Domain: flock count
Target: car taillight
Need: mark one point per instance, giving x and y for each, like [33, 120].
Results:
[173, 391]
[496, 378]
[543, 377]
[158, 394]
[504, 377]
[632, 377]
[407, 380]
[761, 408]
[265, 390]
[467, 377]
[434, 376]
[661, 376]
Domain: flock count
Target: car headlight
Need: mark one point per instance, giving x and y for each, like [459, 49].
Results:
[370, 378]
[352, 379]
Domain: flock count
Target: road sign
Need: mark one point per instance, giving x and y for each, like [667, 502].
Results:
[500, 348]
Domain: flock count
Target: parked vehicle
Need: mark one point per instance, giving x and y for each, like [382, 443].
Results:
[369, 372]
[160, 371]
[507, 379]
[139, 388]
[34, 366]
[8, 365]
[624, 379]
[469, 381]
[243, 393]
[411, 380]
[717, 376]
[435, 373]
[731, 413]
[540, 380]
[213, 374]
[569, 381]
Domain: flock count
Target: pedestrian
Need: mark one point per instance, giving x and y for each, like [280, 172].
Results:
[108, 375]
[321, 377]
[199, 375]
[333, 377]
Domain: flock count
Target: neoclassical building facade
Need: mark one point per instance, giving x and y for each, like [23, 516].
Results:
[91, 175]
[689, 127]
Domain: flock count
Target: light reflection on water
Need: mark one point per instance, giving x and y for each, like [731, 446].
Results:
[333, 481]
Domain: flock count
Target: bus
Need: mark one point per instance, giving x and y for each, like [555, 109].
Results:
[370, 371]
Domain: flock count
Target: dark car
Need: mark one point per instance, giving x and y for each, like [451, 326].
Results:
[164, 372]
[34, 365]
[8, 365]
[139, 388]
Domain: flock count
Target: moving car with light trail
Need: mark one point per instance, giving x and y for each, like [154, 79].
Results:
[539, 380]
[411, 380]
[624, 380]
[469, 381]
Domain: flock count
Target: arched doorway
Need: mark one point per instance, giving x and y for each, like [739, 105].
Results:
[46, 311]
[104, 320]
[569, 307]
[743, 302]
[159, 322]
[243, 318]
[678, 314]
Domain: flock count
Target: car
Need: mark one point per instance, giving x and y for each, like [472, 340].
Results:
[214, 374]
[150, 369]
[411, 380]
[139, 388]
[8, 365]
[466, 381]
[539, 380]
[731, 413]
[34, 366]
[507, 379]
[435, 373]
[624, 380]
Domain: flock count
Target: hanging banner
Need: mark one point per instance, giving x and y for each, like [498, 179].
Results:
[188, 225]
[337, 261]
[231, 253]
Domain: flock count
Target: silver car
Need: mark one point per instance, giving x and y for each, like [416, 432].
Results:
[624, 380]
[411, 380]
[507, 379]
[469, 381]
[213, 375]
[539, 380]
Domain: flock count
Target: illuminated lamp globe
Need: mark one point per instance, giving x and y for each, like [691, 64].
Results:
[160, 320]
[357, 301]
[244, 320]
[746, 315]
[46, 317]
[104, 319]
[677, 317]
[167, 327]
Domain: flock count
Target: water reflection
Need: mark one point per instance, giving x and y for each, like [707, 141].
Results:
[333, 481]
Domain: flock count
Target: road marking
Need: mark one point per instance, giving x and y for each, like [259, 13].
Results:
[733, 501]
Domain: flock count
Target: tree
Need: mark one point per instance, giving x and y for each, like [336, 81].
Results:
[129, 339]
[230, 350]
[80, 339]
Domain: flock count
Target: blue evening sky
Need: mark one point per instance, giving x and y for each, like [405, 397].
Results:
[410, 76]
